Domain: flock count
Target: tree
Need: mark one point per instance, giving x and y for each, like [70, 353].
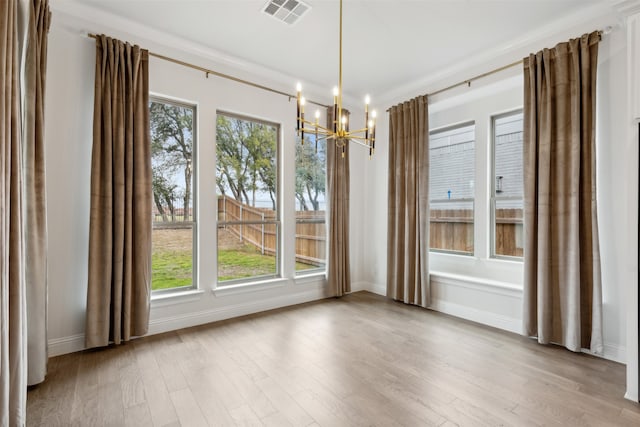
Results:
[163, 195]
[265, 155]
[246, 159]
[171, 155]
[310, 174]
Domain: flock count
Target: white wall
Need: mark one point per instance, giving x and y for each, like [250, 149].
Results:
[484, 290]
[632, 12]
[490, 291]
[69, 110]
[495, 296]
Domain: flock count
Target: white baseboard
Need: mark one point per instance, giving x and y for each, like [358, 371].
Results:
[65, 345]
[187, 320]
[75, 343]
[611, 352]
[370, 287]
[494, 289]
[360, 286]
[378, 288]
[479, 316]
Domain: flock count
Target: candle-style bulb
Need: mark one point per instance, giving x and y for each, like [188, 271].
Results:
[298, 87]
[344, 120]
[374, 114]
[302, 101]
[336, 91]
[370, 124]
[317, 114]
[367, 100]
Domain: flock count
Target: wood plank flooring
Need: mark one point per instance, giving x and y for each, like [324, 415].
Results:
[361, 360]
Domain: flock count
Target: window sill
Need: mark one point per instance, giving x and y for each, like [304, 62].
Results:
[507, 259]
[177, 297]
[464, 255]
[305, 279]
[249, 287]
[490, 285]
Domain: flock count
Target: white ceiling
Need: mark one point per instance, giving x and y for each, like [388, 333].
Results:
[386, 43]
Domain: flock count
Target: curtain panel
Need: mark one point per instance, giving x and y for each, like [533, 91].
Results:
[562, 285]
[408, 216]
[13, 321]
[34, 189]
[338, 264]
[119, 284]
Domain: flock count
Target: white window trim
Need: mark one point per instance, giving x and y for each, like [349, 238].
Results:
[254, 282]
[247, 287]
[173, 293]
[445, 128]
[492, 188]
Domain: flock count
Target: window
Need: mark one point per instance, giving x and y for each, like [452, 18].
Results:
[507, 193]
[174, 224]
[311, 176]
[451, 188]
[247, 192]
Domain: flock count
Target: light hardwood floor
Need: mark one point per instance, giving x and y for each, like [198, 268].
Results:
[356, 361]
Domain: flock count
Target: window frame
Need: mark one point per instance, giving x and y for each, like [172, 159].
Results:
[227, 284]
[165, 99]
[471, 199]
[319, 269]
[493, 198]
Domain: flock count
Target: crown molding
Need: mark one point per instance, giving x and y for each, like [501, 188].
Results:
[626, 7]
[599, 15]
[82, 18]
[78, 16]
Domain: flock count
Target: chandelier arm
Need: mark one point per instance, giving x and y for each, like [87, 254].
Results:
[325, 137]
[320, 130]
[312, 124]
[363, 130]
[359, 138]
[355, 141]
[337, 129]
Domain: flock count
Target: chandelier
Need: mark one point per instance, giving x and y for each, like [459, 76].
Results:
[339, 130]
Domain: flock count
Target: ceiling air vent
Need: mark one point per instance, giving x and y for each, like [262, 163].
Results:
[288, 11]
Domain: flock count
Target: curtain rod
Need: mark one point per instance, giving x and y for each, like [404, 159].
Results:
[488, 73]
[208, 71]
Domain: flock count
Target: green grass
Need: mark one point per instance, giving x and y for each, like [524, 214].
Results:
[248, 262]
[173, 269]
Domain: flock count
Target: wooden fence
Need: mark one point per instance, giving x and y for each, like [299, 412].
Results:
[509, 232]
[311, 237]
[452, 230]
[310, 229]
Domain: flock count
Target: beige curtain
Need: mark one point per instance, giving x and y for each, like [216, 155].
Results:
[120, 218]
[562, 288]
[34, 190]
[13, 332]
[408, 217]
[338, 270]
